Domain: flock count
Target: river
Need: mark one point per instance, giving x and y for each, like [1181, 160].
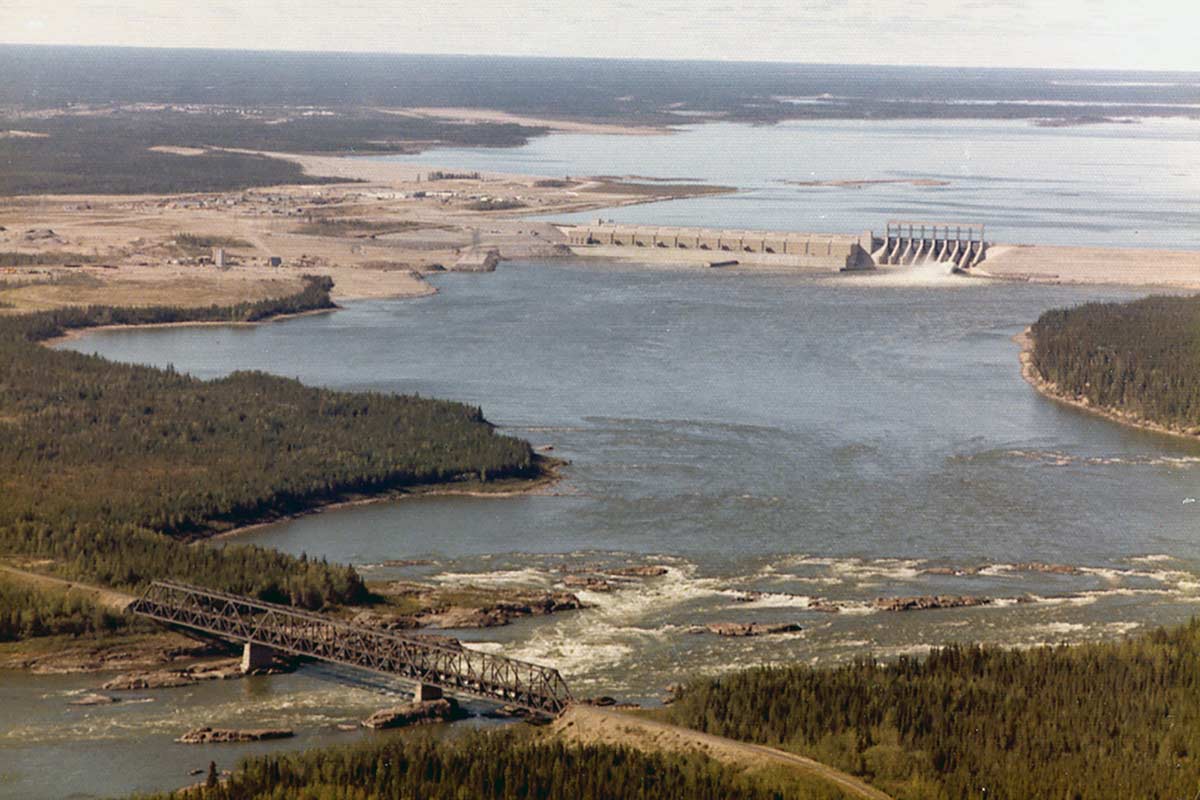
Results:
[812, 439]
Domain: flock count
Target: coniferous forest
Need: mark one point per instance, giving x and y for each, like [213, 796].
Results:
[1085, 721]
[109, 469]
[488, 766]
[26, 612]
[1140, 358]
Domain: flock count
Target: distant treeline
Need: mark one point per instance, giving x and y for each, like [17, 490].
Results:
[1141, 358]
[110, 153]
[1108, 720]
[10, 258]
[635, 90]
[109, 468]
[486, 766]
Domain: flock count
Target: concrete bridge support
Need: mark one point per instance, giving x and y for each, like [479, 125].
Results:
[425, 693]
[256, 657]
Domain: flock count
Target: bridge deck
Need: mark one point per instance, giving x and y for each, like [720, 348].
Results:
[503, 680]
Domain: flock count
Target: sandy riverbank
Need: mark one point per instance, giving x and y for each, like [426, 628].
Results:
[1029, 372]
[477, 115]
[1168, 269]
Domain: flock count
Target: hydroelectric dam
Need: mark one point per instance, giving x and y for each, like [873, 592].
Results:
[958, 245]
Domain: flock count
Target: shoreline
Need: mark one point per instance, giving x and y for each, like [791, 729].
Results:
[79, 333]
[1024, 341]
[549, 474]
[549, 469]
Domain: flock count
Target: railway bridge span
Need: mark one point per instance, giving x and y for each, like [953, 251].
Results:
[264, 628]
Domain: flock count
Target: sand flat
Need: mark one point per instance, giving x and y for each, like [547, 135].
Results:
[1176, 269]
[477, 115]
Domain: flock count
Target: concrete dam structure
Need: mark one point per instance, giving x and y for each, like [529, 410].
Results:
[826, 252]
[956, 243]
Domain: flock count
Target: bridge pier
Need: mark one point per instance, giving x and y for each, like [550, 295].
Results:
[426, 692]
[256, 657]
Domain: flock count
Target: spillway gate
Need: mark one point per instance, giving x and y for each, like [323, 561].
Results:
[256, 623]
[959, 243]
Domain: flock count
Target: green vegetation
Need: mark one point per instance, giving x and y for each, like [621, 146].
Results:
[351, 226]
[495, 205]
[1101, 720]
[439, 175]
[194, 245]
[483, 766]
[110, 153]
[1140, 358]
[26, 613]
[13, 259]
[100, 460]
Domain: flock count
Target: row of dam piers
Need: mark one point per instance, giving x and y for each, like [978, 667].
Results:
[959, 245]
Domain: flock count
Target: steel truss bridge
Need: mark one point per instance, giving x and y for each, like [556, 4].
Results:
[540, 690]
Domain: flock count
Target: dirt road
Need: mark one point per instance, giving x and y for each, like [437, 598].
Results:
[591, 725]
[109, 598]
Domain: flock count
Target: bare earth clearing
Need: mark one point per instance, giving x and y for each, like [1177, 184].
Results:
[590, 725]
[375, 237]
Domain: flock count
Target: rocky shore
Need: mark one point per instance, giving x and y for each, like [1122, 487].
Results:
[231, 736]
[746, 628]
[417, 605]
[53, 655]
[1052, 391]
[188, 676]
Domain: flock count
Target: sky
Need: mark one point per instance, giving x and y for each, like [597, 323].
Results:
[1090, 34]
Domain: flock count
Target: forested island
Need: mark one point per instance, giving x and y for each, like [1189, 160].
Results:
[108, 471]
[1137, 362]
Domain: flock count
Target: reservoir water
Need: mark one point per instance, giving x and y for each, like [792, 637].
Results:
[1105, 185]
[779, 443]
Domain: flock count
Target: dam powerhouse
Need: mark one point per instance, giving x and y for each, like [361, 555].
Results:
[960, 245]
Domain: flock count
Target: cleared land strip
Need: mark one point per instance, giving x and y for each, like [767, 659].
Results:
[109, 598]
[591, 725]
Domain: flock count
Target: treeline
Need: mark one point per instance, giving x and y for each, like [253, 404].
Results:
[110, 153]
[12, 258]
[196, 244]
[483, 766]
[42, 325]
[1085, 721]
[99, 460]
[27, 612]
[1141, 357]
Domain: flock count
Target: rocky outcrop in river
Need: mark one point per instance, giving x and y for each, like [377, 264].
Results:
[229, 735]
[502, 612]
[928, 602]
[169, 678]
[746, 628]
[442, 710]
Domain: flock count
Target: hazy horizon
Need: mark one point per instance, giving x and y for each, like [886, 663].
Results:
[1077, 34]
[615, 59]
